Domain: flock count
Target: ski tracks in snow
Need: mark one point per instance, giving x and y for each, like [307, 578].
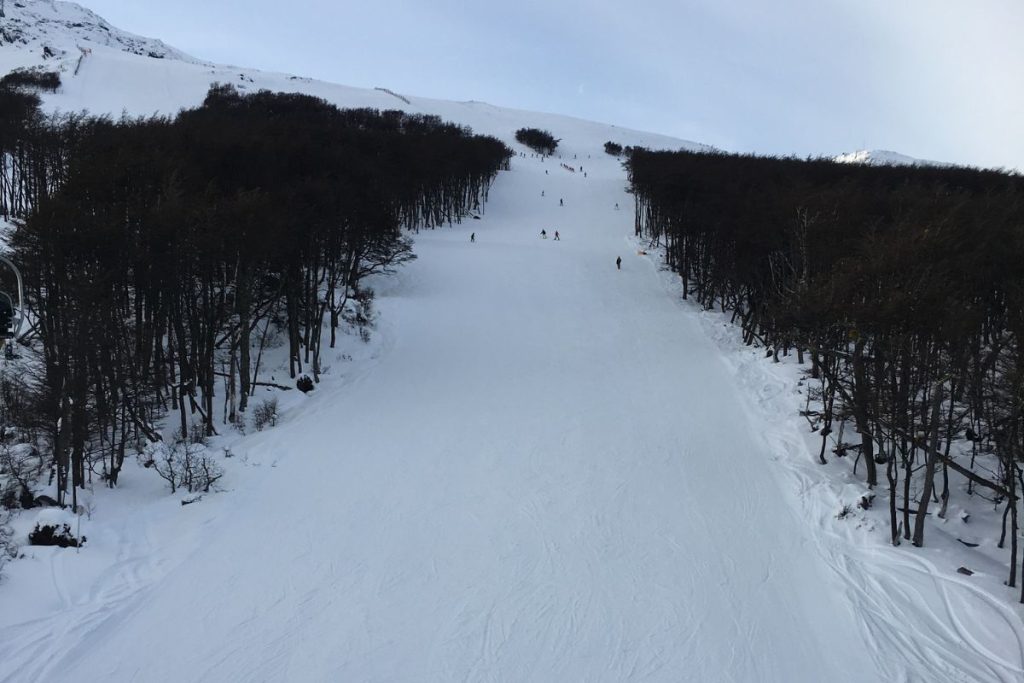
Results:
[28, 647]
[914, 616]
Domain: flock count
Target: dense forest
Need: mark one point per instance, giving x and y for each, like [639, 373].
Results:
[540, 141]
[158, 253]
[902, 287]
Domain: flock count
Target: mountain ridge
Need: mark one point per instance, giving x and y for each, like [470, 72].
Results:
[67, 37]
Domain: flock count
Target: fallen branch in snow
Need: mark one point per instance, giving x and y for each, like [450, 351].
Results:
[149, 430]
[258, 384]
[953, 465]
[941, 457]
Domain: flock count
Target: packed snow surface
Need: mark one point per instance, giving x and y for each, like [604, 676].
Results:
[548, 474]
[541, 468]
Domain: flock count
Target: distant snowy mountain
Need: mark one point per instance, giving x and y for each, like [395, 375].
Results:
[883, 157]
[48, 31]
[107, 70]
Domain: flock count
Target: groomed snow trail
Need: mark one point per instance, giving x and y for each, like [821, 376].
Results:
[546, 476]
[551, 471]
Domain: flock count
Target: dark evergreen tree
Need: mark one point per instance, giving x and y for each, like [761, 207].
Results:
[540, 141]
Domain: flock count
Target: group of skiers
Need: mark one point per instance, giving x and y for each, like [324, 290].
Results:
[571, 169]
[543, 236]
[561, 202]
[557, 238]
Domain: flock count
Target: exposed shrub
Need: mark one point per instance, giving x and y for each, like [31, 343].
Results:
[197, 433]
[16, 496]
[360, 313]
[613, 148]
[304, 384]
[184, 465]
[265, 414]
[54, 534]
[538, 140]
[33, 79]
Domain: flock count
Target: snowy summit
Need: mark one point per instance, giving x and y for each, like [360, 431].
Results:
[49, 31]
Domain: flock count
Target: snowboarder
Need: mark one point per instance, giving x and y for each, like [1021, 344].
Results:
[556, 236]
[542, 193]
[543, 234]
[472, 237]
[618, 263]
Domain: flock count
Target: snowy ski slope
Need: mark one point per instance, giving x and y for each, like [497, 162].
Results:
[541, 469]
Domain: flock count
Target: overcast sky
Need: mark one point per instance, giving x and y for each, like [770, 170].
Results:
[935, 79]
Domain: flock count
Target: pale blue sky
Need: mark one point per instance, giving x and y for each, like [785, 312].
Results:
[935, 79]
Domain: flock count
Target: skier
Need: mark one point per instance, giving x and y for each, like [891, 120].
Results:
[543, 234]
[472, 237]
[542, 193]
[616, 206]
[561, 202]
[618, 263]
[556, 236]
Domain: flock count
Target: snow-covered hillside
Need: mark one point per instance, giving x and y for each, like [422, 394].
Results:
[114, 77]
[53, 33]
[554, 470]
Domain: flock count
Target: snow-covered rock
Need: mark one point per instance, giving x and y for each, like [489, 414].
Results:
[883, 157]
